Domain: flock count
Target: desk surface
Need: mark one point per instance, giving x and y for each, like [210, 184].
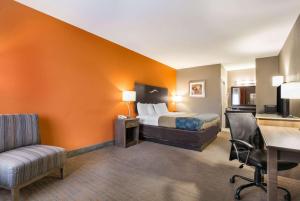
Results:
[282, 138]
[276, 117]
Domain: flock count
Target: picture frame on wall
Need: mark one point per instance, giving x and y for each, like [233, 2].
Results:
[197, 89]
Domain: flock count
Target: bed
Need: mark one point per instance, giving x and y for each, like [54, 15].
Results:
[166, 128]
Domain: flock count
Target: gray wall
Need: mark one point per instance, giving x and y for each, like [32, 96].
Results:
[289, 62]
[224, 76]
[212, 103]
[265, 93]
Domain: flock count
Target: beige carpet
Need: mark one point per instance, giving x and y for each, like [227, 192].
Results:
[151, 172]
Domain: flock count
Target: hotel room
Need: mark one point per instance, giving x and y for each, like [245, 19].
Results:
[149, 100]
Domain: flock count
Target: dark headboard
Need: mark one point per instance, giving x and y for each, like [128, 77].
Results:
[150, 94]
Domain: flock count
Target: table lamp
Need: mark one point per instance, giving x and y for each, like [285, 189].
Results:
[128, 97]
[290, 90]
[277, 80]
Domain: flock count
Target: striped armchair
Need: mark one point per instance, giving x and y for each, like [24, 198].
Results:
[23, 159]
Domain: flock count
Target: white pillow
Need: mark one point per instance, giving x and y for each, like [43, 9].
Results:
[142, 109]
[150, 109]
[145, 109]
[160, 108]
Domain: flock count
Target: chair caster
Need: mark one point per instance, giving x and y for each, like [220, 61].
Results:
[237, 197]
[232, 180]
[287, 197]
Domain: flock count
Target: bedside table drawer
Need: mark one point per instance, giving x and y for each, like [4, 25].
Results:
[130, 124]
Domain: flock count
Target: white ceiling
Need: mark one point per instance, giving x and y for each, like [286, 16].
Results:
[184, 33]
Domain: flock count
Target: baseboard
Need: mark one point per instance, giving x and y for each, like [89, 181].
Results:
[84, 150]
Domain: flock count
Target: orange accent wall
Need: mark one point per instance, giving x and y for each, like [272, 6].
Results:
[71, 78]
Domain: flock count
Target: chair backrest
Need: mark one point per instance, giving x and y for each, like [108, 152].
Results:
[243, 127]
[18, 130]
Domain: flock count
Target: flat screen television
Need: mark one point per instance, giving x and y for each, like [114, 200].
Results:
[283, 105]
[279, 100]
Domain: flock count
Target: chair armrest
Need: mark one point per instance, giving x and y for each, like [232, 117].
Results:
[240, 144]
[243, 143]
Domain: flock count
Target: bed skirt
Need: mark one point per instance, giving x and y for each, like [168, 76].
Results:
[194, 140]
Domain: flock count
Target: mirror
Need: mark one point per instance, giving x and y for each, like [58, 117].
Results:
[243, 96]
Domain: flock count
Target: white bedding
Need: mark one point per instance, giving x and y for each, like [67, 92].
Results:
[153, 119]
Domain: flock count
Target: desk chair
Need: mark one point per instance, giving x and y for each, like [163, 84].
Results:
[247, 147]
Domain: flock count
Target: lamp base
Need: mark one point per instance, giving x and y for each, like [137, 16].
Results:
[128, 106]
[285, 108]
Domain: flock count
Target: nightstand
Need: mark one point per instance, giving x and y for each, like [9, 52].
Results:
[126, 132]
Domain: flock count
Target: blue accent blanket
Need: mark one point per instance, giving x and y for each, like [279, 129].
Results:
[192, 122]
[188, 123]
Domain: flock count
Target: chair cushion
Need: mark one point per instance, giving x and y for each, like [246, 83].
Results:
[258, 158]
[18, 130]
[23, 164]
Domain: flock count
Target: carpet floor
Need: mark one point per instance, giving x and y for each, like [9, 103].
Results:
[152, 172]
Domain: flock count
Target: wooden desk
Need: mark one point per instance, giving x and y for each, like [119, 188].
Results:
[277, 120]
[282, 143]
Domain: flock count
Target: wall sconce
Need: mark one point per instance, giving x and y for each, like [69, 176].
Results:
[177, 99]
[245, 82]
[277, 80]
[128, 97]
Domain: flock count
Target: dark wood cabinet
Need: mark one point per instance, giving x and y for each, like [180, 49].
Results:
[126, 132]
[243, 96]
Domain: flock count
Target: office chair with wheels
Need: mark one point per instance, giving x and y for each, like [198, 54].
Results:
[247, 147]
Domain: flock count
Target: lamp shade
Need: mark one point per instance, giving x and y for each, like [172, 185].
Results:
[277, 80]
[129, 96]
[177, 98]
[290, 90]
